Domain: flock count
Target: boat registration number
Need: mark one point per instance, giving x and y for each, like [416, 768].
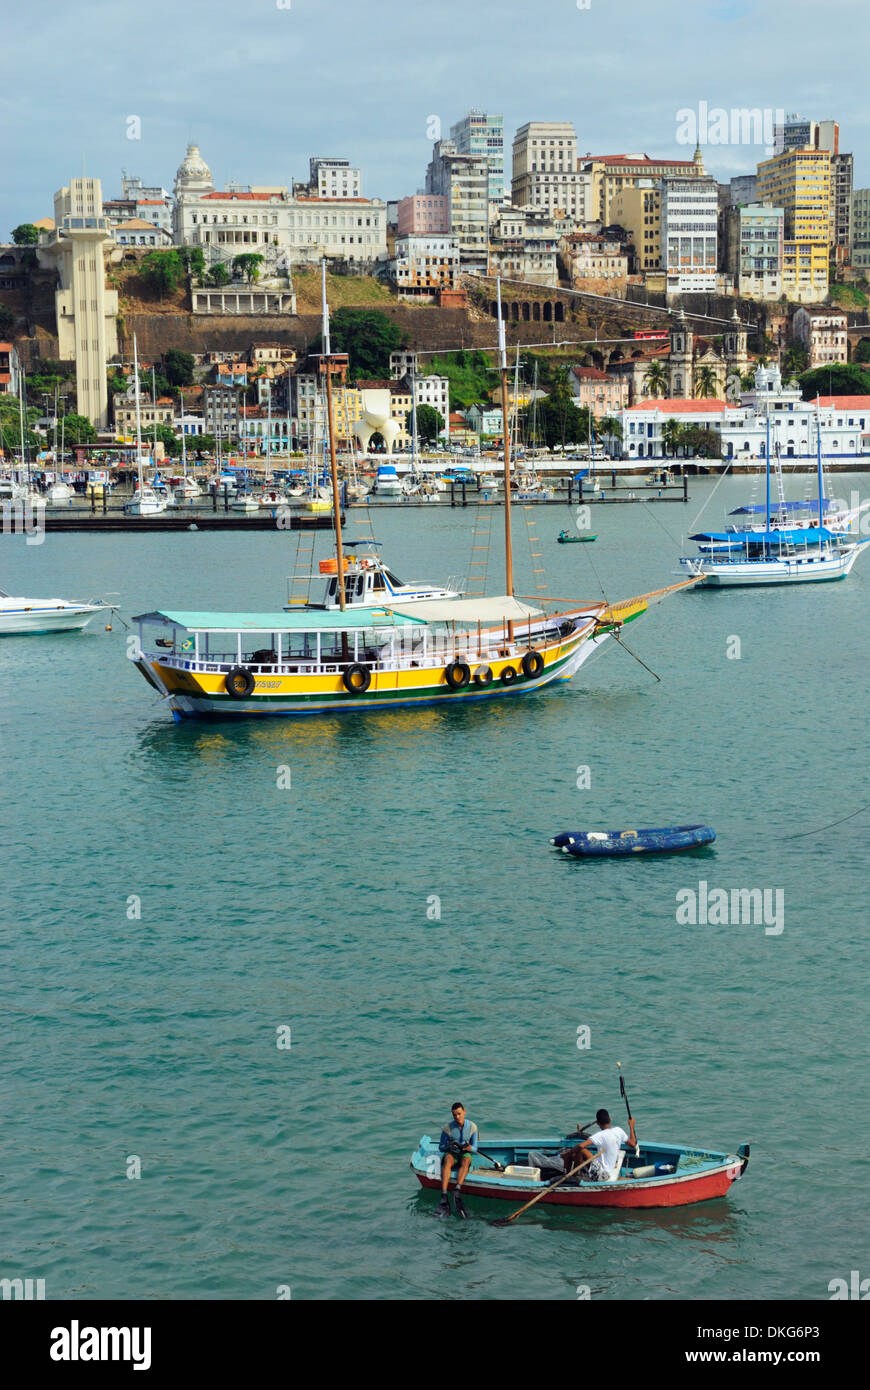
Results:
[267, 685]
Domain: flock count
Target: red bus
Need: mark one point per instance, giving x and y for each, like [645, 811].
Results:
[656, 334]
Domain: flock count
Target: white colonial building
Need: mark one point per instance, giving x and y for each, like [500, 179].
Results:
[844, 422]
[285, 228]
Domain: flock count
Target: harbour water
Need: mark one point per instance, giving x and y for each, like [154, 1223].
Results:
[171, 907]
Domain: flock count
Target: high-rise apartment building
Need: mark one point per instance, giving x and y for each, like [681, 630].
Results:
[545, 173]
[689, 224]
[86, 311]
[463, 179]
[481, 133]
[755, 249]
[638, 208]
[860, 231]
[799, 182]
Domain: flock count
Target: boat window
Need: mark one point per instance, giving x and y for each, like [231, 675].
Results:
[331, 590]
[396, 583]
[360, 585]
[378, 581]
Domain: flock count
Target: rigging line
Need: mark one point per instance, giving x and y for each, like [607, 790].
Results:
[635, 655]
[658, 520]
[723, 475]
[852, 814]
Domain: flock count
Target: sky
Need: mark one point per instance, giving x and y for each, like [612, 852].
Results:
[260, 85]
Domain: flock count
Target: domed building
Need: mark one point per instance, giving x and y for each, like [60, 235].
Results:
[192, 179]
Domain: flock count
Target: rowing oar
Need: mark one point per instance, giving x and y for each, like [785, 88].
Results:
[628, 1107]
[506, 1220]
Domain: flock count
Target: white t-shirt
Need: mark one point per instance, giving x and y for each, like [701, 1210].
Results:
[608, 1142]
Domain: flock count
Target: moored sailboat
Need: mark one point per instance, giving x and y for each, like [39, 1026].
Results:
[393, 651]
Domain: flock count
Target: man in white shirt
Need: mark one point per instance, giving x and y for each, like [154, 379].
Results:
[603, 1148]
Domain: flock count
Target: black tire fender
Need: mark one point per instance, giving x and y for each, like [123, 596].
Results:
[239, 682]
[508, 675]
[532, 664]
[483, 675]
[356, 678]
[457, 674]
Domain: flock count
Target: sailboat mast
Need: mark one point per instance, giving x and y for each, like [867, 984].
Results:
[767, 473]
[819, 462]
[138, 414]
[505, 429]
[330, 425]
[183, 437]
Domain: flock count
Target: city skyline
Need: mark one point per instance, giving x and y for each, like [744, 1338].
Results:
[258, 107]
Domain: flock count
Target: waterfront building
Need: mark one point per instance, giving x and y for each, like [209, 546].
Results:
[796, 133]
[484, 419]
[743, 189]
[482, 134]
[424, 264]
[134, 232]
[689, 233]
[596, 263]
[799, 181]
[754, 250]
[523, 245]
[151, 413]
[10, 368]
[86, 311]
[422, 213]
[860, 230]
[598, 391]
[637, 207]
[545, 173]
[845, 423]
[283, 228]
[222, 411]
[431, 390]
[610, 173]
[462, 179]
[263, 433]
[823, 334]
[334, 178]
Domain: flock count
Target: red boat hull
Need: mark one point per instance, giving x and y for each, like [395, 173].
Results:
[658, 1192]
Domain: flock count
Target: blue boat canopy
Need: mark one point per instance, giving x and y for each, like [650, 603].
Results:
[802, 535]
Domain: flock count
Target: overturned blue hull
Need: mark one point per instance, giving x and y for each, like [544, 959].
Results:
[598, 844]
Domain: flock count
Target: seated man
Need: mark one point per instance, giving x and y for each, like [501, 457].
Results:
[457, 1143]
[606, 1145]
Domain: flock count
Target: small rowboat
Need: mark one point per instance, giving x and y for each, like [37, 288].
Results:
[564, 539]
[596, 844]
[660, 1175]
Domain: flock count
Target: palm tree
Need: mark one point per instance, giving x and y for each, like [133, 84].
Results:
[705, 381]
[609, 425]
[656, 378]
[672, 432]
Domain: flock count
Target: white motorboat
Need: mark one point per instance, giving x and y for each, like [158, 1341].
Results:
[27, 616]
[368, 582]
[146, 502]
[387, 482]
[245, 502]
[59, 494]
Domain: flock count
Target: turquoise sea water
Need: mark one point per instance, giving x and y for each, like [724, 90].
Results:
[312, 907]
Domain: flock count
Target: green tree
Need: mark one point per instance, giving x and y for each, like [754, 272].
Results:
[862, 351]
[705, 381]
[610, 427]
[840, 379]
[178, 367]
[248, 264]
[702, 441]
[672, 432]
[201, 444]
[77, 429]
[218, 275]
[656, 378]
[168, 438]
[25, 234]
[10, 427]
[470, 375]
[192, 258]
[555, 422]
[430, 423]
[795, 360]
[368, 337]
[162, 271]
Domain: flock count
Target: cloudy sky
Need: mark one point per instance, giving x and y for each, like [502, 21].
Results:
[262, 84]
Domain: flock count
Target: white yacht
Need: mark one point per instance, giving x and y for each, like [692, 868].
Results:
[368, 583]
[20, 616]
